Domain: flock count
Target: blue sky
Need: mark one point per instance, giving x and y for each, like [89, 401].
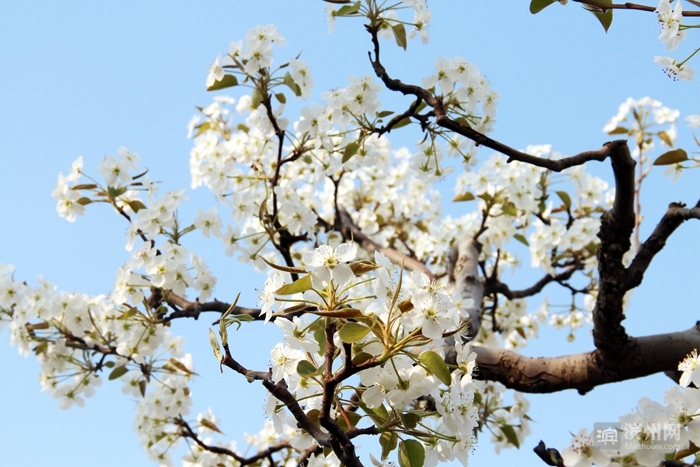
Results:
[83, 79]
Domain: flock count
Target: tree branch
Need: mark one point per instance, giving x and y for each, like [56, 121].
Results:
[463, 271]
[617, 226]
[676, 214]
[494, 285]
[628, 6]
[354, 232]
[651, 354]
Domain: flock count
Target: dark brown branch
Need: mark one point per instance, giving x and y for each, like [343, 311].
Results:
[676, 214]
[251, 375]
[628, 6]
[494, 285]
[186, 309]
[648, 355]
[280, 392]
[617, 226]
[479, 138]
[187, 432]
[549, 455]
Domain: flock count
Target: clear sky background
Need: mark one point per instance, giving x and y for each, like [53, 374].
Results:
[84, 78]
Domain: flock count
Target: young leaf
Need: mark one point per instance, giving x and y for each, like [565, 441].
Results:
[353, 332]
[521, 239]
[284, 268]
[300, 285]
[400, 35]
[388, 441]
[289, 81]
[255, 99]
[306, 369]
[436, 365]
[672, 157]
[281, 98]
[565, 198]
[206, 423]
[384, 113]
[466, 196]
[342, 313]
[620, 130]
[348, 10]
[226, 82]
[215, 345]
[402, 123]
[136, 205]
[361, 267]
[350, 150]
[511, 436]
[177, 364]
[118, 372]
[411, 453]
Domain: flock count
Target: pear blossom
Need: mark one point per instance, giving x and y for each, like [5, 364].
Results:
[329, 264]
[670, 22]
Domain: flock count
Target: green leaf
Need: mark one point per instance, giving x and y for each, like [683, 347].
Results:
[226, 82]
[510, 434]
[436, 365]
[115, 192]
[136, 205]
[289, 81]
[222, 321]
[619, 131]
[353, 332]
[354, 420]
[84, 201]
[466, 196]
[672, 157]
[565, 198]
[402, 123]
[410, 420]
[298, 286]
[605, 18]
[281, 98]
[411, 453]
[378, 415]
[142, 387]
[215, 345]
[521, 239]
[361, 358]
[306, 369]
[400, 35]
[256, 99]
[538, 5]
[348, 10]
[238, 319]
[509, 208]
[202, 128]
[384, 113]
[118, 372]
[388, 441]
[350, 150]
